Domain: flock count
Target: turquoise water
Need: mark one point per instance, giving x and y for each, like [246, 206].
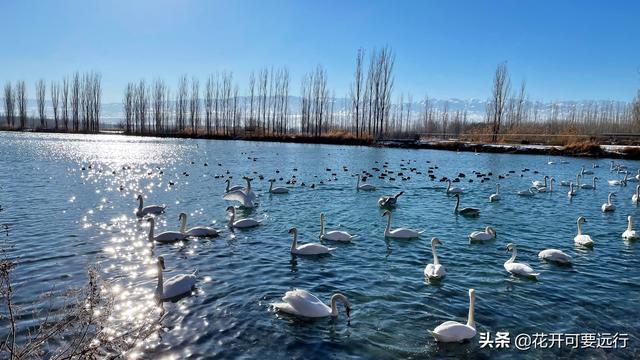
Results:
[63, 218]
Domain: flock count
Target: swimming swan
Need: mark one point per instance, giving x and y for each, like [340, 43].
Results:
[232, 188]
[388, 200]
[636, 196]
[453, 190]
[582, 239]
[307, 249]
[198, 231]
[516, 268]
[400, 233]
[468, 211]
[148, 210]
[174, 286]
[608, 206]
[333, 235]
[364, 187]
[164, 237]
[435, 271]
[590, 186]
[242, 223]
[277, 190]
[572, 191]
[496, 196]
[489, 233]
[303, 303]
[539, 183]
[629, 234]
[453, 331]
[554, 255]
[530, 192]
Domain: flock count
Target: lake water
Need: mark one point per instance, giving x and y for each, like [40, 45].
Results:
[63, 219]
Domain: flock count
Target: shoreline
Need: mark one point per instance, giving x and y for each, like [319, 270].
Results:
[583, 149]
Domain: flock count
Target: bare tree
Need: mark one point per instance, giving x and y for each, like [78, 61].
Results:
[40, 101]
[208, 103]
[9, 105]
[194, 106]
[21, 98]
[65, 103]
[75, 102]
[635, 110]
[159, 91]
[497, 102]
[55, 102]
[127, 106]
[357, 92]
[181, 103]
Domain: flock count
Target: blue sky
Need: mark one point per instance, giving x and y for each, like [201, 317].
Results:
[564, 49]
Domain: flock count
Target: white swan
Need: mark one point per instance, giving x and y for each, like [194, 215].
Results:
[232, 188]
[635, 178]
[198, 231]
[174, 286]
[164, 237]
[277, 190]
[530, 192]
[148, 210]
[365, 187]
[307, 249]
[389, 200]
[242, 223]
[496, 196]
[539, 183]
[572, 190]
[580, 238]
[590, 186]
[333, 235]
[400, 233]
[636, 196]
[489, 233]
[435, 271]
[303, 303]
[638, 175]
[468, 211]
[629, 234]
[608, 206]
[565, 183]
[516, 268]
[554, 255]
[453, 331]
[545, 189]
[453, 190]
[586, 172]
[619, 182]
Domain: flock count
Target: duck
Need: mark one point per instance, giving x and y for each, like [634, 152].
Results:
[468, 211]
[629, 234]
[308, 249]
[496, 196]
[515, 268]
[608, 206]
[241, 223]
[302, 303]
[453, 331]
[400, 233]
[364, 187]
[199, 231]
[389, 200]
[582, 239]
[590, 186]
[164, 237]
[277, 190]
[453, 190]
[175, 286]
[333, 235]
[148, 210]
[555, 256]
[435, 271]
[488, 234]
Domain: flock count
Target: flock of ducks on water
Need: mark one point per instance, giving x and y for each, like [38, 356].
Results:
[302, 303]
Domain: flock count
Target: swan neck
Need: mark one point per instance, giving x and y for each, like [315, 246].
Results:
[270, 185]
[183, 224]
[513, 255]
[579, 228]
[334, 303]
[152, 225]
[629, 224]
[227, 188]
[388, 229]
[140, 203]
[294, 244]
[435, 255]
[498, 189]
[321, 225]
[470, 320]
[457, 204]
[160, 287]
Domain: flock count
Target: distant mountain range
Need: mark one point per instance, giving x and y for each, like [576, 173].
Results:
[112, 113]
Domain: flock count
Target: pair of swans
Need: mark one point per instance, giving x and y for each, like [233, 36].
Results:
[453, 331]
[608, 206]
[245, 196]
[308, 249]
[516, 268]
[389, 201]
[488, 234]
[453, 190]
[496, 196]
[629, 234]
[302, 303]
[544, 188]
[198, 231]
[399, 233]
[435, 271]
[582, 239]
[468, 211]
[364, 187]
[175, 286]
[148, 210]
[277, 190]
[241, 223]
[590, 186]
[333, 235]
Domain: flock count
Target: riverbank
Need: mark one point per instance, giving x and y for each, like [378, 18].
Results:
[585, 148]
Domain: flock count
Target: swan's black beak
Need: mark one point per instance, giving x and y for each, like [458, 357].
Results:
[348, 311]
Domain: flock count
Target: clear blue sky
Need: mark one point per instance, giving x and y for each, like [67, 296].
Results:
[564, 49]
